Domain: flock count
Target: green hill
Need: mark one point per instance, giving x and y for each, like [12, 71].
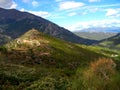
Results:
[112, 42]
[41, 46]
[36, 61]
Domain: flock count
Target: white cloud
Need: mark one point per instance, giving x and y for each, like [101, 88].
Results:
[35, 3]
[14, 5]
[113, 12]
[43, 14]
[7, 4]
[95, 23]
[22, 9]
[94, 0]
[72, 14]
[70, 5]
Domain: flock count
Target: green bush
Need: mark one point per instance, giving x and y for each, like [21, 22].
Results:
[49, 83]
[3, 49]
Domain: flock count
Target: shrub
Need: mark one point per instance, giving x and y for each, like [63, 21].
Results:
[102, 68]
[50, 83]
[3, 49]
[100, 75]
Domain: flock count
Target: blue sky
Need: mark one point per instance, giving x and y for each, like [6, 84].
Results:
[71, 14]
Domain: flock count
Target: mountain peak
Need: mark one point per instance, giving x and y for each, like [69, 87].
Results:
[32, 34]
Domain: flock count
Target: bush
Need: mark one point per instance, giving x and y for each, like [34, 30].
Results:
[3, 49]
[50, 83]
[100, 75]
[102, 68]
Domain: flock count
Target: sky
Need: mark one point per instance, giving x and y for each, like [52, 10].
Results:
[73, 15]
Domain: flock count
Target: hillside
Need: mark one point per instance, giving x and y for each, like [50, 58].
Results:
[39, 61]
[42, 45]
[95, 35]
[14, 23]
[112, 42]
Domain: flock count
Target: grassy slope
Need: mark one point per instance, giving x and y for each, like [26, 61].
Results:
[112, 42]
[53, 63]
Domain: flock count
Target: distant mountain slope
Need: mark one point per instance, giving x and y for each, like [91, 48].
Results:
[95, 35]
[112, 42]
[14, 23]
[102, 29]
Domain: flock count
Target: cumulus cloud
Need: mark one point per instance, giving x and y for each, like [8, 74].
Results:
[43, 14]
[70, 5]
[93, 24]
[113, 12]
[35, 3]
[14, 5]
[22, 9]
[7, 4]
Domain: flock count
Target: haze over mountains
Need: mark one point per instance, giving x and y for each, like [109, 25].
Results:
[98, 33]
[106, 29]
[95, 35]
[14, 23]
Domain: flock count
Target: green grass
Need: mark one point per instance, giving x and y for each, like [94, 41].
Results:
[54, 65]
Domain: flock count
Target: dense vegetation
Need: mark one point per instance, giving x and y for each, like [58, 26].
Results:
[36, 61]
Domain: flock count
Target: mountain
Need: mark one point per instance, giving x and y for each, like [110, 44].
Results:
[37, 61]
[14, 23]
[95, 35]
[112, 42]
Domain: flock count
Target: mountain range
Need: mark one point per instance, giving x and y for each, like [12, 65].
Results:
[95, 35]
[14, 23]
